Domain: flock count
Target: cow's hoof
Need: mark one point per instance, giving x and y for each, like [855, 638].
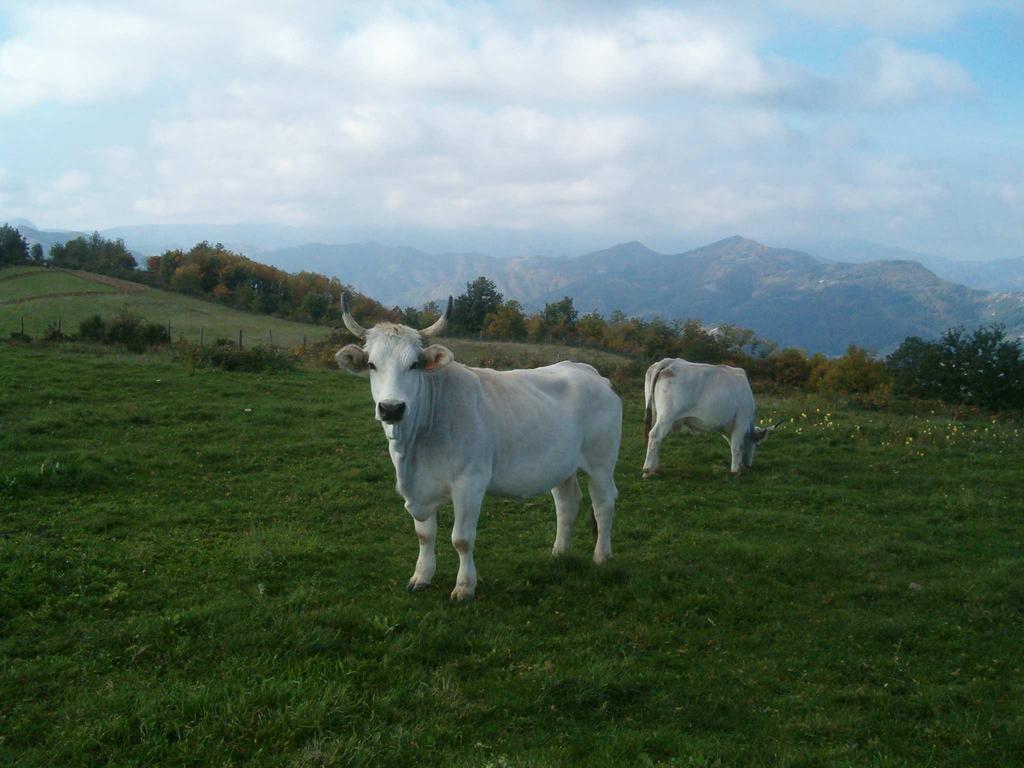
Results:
[462, 595]
[417, 586]
[649, 473]
[602, 557]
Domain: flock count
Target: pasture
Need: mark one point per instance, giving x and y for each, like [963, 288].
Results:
[208, 568]
[40, 297]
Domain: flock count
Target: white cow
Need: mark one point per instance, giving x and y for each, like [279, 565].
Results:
[458, 433]
[695, 397]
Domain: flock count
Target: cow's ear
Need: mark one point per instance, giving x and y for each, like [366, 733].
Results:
[436, 357]
[352, 359]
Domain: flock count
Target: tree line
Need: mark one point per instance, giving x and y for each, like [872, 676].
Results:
[982, 367]
[216, 273]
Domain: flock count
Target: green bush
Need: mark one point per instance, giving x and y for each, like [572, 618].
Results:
[982, 368]
[226, 356]
[93, 329]
[125, 329]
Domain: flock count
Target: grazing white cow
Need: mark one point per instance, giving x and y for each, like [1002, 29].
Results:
[696, 397]
[458, 433]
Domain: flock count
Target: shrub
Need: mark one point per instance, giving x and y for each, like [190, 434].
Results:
[857, 372]
[982, 368]
[125, 329]
[627, 377]
[54, 335]
[787, 370]
[93, 328]
[226, 356]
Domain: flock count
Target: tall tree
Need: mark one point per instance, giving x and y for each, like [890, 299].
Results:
[560, 318]
[13, 247]
[470, 309]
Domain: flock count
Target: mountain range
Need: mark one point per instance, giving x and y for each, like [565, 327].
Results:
[843, 296]
[783, 294]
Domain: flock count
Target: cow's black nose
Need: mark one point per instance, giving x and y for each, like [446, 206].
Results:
[391, 410]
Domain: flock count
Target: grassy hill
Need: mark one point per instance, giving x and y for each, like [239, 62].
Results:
[208, 568]
[43, 296]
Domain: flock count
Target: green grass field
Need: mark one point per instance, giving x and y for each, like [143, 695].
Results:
[43, 296]
[209, 569]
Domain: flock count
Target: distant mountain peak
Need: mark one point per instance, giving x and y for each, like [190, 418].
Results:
[633, 246]
[734, 240]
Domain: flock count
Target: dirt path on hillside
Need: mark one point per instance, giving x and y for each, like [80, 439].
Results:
[18, 276]
[57, 296]
[124, 286]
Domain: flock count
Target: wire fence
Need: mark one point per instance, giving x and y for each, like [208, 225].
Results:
[490, 353]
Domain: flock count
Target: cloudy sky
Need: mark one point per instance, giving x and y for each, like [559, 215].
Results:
[897, 121]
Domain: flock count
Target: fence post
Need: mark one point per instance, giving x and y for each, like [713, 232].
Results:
[200, 336]
[58, 323]
[169, 331]
[303, 336]
[239, 338]
[270, 335]
[23, 329]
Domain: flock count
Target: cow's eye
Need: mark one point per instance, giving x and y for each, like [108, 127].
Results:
[371, 366]
[414, 366]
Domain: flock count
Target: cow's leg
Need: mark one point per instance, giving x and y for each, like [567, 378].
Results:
[426, 532]
[603, 494]
[567, 505]
[736, 444]
[749, 446]
[659, 432]
[467, 502]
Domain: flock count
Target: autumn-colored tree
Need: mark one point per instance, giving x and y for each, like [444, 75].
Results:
[214, 272]
[591, 329]
[507, 322]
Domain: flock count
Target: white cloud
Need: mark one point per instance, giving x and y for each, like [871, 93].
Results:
[887, 75]
[644, 52]
[629, 118]
[75, 54]
[80, 53]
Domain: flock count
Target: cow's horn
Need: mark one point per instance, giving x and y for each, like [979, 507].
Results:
[440, 323]
[777, 423]
[350, 322]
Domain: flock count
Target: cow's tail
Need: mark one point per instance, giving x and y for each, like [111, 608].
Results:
[650, 382]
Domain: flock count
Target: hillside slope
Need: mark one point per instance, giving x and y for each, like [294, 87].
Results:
[999, 275]
[42, 297]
